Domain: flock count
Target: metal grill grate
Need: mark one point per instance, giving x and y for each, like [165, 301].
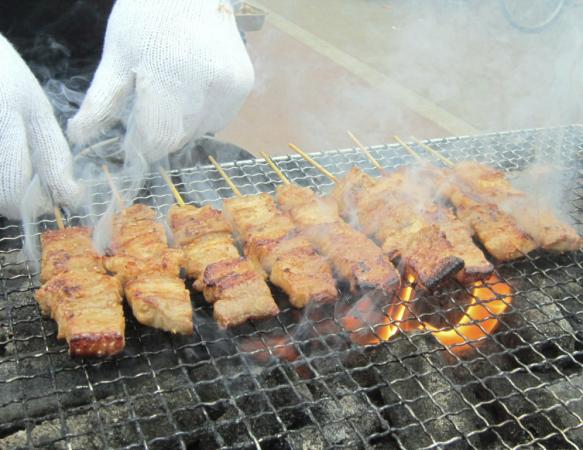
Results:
[298, 380]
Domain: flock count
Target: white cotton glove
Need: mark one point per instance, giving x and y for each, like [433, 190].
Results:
[30, 138]
[181, 63]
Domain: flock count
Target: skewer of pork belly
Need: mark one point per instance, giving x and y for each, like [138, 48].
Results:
[354, 257]
[424, 252]
[77, 293]
[149, 269]
[411, 210]
[468, 183]
[230, 283]
[273, 243]
[498, 231]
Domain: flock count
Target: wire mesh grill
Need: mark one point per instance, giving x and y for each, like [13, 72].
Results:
[302, 379]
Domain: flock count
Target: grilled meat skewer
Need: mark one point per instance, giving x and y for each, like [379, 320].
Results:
[490, 185]
[231, 283]
[431, 242]
[149, 271]
[355, 258]
[84, 301]
[273, 243]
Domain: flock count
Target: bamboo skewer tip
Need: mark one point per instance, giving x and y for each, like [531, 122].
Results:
[116, 193]
[59, 218]
[276, 169]
[366, 152]
[226, 177]
[408, 148]
[172, 188]
[434, 152]
[313, 162]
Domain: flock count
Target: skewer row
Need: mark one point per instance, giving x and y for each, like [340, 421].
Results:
[299, 243]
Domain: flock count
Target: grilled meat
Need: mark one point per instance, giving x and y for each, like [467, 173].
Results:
[498, 231]
[459, 234]
[238, 292]
[88, 311]
[355, 258]
[490, 185]
[233, 285]
[204, 236]
[149, 271]
[272, 242]
[67, 250]
[401, 220]
[485, 181]
[160, 301]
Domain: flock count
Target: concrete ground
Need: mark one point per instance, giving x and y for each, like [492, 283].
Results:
[385, 67]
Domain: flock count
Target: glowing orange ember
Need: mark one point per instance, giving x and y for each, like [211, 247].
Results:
[365, 315]
[490, 299]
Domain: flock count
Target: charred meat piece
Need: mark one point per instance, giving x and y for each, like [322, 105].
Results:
[149, 271]
[88, 311]
[238, 293]
[232, 284]
[271, 242]
[400, 219]
[66, 250]
[354, 257]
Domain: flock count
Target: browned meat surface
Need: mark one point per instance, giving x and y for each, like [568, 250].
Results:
[488, 185]
[78, 295]
[88, 311]
[232, 284]
[499, 232]
[272, 242]
[400, 218]
[238, 293]
[149, 271]
[485, 181]
[549, 232]
[459, 234]
[66, 250]
[141, 240]
[160, 301]
[204, 236]
[354, 257]
[349, 188]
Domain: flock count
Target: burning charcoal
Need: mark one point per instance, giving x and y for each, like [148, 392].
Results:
[418, 395]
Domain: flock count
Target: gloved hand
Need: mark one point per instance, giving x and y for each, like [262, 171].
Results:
[30, 138]
[179, 65]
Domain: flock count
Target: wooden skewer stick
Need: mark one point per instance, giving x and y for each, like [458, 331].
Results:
[59, 218]
[226, 177]
[111, 182]
[314, 163]
[279, 173]
[364, 150]
[173, 189]
[408, 148]
[434, 152]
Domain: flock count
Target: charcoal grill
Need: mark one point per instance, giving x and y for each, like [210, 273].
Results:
[299, 380]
